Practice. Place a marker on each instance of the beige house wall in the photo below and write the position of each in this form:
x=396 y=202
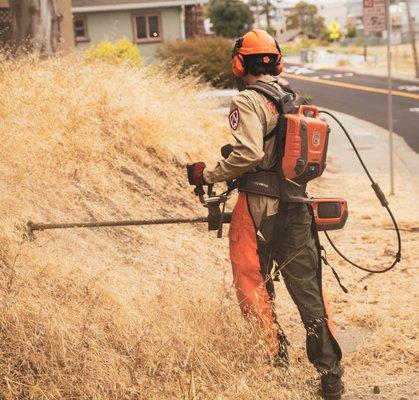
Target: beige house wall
x=115 y=25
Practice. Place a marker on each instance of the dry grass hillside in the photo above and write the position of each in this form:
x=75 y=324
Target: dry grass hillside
x=149 y=313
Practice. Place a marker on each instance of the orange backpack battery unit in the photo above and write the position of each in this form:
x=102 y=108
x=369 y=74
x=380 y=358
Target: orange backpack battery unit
x=305 y=145
x=302 y=137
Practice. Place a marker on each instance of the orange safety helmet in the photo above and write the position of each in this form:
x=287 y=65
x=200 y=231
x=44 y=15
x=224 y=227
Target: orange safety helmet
x=257 y=41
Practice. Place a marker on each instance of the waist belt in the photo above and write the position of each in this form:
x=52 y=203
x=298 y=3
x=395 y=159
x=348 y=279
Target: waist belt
x=271 y=184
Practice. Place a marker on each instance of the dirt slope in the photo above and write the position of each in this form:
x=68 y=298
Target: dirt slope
x=149 y=313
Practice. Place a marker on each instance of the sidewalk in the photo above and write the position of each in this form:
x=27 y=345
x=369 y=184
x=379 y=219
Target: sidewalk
x=373 y=144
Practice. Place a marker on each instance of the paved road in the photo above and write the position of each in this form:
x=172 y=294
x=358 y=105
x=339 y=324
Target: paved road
x=362 y=96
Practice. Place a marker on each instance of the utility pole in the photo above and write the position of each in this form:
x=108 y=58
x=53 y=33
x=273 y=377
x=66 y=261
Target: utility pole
x=390 y=97
x=413 y=37
x=257 y=13
x=268 y=19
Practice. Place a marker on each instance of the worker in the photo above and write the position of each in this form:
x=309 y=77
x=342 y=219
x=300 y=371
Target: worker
x=271 y=232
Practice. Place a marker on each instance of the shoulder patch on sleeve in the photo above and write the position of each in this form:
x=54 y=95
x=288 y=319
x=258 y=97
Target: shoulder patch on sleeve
x=234 y=119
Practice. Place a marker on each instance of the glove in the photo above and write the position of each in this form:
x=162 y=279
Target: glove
x=195 y=173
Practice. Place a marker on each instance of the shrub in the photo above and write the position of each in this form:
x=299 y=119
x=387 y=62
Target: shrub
x=343 y=63
x=209 y=57
x=122 y=52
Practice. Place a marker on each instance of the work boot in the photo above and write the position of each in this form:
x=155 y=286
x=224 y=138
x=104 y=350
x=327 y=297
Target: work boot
x=331 y=389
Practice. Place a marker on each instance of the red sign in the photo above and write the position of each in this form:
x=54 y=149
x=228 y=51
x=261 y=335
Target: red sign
x=374 y=16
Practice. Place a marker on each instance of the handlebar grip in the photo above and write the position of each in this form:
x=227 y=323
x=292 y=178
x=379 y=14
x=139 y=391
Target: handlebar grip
x=199 y=190
x=305 y=107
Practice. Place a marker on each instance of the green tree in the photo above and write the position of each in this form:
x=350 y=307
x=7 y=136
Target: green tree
x=351 y=31
x=230 y=18
x=305 y=17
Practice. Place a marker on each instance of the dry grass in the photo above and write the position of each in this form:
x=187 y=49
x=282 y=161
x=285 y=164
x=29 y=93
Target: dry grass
x=137 y=313
x=403 y=64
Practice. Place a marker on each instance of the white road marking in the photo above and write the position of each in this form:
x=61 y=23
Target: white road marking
x=349 y=74
x=299 y=70
x=409 y=88
x=338 y=76
x=415 y=110
x=291 y=69
x=326 y=76
x=303 y=71
x=315 y=77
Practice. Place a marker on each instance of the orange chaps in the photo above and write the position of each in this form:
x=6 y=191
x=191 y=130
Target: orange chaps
x=302 y=277
x=248 y=280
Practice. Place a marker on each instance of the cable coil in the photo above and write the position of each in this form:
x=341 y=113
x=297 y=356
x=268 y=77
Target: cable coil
x=381 y=197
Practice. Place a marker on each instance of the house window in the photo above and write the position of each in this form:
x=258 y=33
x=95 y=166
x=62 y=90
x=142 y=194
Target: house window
x=80 y=28
x=147 y=27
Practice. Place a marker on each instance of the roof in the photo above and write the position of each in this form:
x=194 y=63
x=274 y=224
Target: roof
x=291 y=34
x=114 y=5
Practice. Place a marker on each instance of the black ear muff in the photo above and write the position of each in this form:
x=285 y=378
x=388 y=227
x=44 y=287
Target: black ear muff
x=280 y=61
x=237 y=46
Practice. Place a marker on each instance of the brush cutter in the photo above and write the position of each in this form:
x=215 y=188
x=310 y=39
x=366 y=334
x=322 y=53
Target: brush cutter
x=329 y=214
x=212 y=202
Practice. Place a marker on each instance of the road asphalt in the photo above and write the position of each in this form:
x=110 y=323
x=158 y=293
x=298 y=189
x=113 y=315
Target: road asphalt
x=362 y=96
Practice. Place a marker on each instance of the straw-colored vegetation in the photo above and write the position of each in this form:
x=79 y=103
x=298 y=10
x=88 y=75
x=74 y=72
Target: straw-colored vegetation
x=148 y=313
x=402 y=62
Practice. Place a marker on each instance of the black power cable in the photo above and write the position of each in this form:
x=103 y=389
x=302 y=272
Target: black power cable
x=381 y=197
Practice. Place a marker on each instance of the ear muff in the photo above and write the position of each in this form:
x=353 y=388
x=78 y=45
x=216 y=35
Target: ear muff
x=280 y=61
x=237 y=62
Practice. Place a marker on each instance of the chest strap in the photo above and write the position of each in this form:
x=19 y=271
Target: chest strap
x=282 y=100
x=270 y=184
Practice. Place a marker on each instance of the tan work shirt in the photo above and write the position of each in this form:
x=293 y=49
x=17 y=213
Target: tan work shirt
x=252 y=117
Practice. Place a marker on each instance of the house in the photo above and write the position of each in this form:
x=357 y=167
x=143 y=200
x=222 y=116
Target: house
x=146 y=22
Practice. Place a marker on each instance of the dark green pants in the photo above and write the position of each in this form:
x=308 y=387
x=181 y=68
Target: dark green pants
x=287 y=243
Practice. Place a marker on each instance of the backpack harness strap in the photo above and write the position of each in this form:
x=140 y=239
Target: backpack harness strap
x=283 y=101
x=271 y=182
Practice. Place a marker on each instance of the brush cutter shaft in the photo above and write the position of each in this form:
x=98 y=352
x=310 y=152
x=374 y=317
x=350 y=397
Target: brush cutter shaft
x=101 y=224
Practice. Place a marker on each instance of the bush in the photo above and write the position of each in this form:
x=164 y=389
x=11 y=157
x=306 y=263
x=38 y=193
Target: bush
x=209 y=57
x=123 y=52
